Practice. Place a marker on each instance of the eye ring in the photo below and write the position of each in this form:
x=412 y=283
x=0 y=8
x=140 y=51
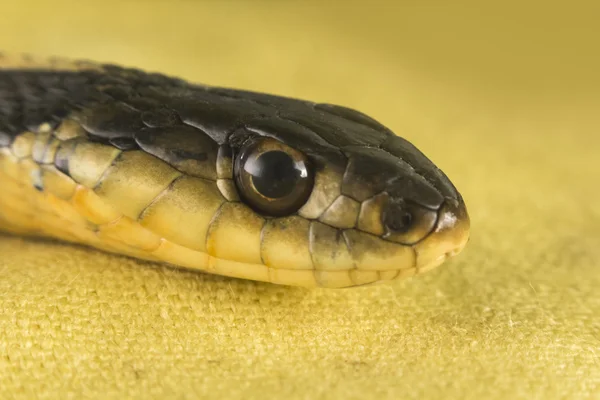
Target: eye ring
x=271 y=177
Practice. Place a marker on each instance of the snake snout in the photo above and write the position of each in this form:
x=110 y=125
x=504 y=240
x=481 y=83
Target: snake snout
x=449 y=236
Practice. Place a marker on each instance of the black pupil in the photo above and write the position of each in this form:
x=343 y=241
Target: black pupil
x=274 y=174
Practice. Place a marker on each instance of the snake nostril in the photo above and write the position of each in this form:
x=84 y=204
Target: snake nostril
x=397 y=218
x=406 y=222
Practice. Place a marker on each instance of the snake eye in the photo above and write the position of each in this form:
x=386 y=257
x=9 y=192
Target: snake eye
x=273 y=178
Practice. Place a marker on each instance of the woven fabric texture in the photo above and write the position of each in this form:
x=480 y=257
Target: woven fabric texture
x=502 y=101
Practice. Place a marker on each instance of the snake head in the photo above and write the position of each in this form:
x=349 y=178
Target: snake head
x=230 y=182
x=345 y=198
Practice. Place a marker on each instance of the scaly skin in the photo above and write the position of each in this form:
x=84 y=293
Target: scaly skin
x=142 y=165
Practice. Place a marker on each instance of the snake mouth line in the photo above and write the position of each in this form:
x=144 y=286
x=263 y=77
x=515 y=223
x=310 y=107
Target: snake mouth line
x=417 y=270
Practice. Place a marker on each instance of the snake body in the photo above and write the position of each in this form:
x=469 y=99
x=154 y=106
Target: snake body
x=225 y=181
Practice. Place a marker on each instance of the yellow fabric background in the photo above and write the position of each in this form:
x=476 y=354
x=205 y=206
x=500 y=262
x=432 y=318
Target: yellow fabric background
x=503 y=98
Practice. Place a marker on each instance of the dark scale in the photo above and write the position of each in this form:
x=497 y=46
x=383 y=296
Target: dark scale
x=61 y=159
x=124 y=143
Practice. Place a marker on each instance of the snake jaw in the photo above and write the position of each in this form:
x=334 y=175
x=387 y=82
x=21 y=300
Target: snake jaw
x=448 y=239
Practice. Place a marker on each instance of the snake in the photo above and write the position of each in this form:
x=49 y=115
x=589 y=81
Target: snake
x=225 y=181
